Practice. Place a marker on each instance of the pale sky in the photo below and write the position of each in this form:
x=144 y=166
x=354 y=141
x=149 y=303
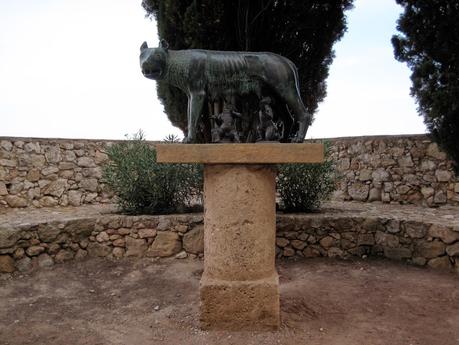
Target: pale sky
x=69 y=69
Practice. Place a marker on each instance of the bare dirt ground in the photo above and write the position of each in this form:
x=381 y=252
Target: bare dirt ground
x=99 y=302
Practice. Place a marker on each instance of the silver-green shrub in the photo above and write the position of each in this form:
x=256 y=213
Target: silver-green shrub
x=144 y=186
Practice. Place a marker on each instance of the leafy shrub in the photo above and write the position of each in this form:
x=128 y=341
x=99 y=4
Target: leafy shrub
x=302 y=187
x=144 y=186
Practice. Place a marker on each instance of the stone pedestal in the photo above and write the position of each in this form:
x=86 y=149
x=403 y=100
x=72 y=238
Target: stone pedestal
x=240 y=286
x=239 y=289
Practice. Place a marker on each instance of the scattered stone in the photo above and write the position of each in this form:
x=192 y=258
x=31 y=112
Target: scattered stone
x=193 y=241
x=19 y=253
x=119 y=242
x=89 y=184
x=56 y=188
x=375 y=194
x=335 y=252
x=75 y=198
x=64 y=255
x=299 y=245
x=311 y=252
x=6 y=264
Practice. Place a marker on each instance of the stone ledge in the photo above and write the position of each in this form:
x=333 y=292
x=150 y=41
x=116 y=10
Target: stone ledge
x=261 y=153
x=43 y=237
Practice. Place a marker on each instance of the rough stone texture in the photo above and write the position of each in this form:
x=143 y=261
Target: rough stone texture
x=165 y=244
x=193 y=241
x=135 y=247
x=404 y=169
x=52 y=172
x=341 y=230
x=6 y=264
x=240 y=287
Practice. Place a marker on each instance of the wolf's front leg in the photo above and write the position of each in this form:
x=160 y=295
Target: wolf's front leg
x=195 y=104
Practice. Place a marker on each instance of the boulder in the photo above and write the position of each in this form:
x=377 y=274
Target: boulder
x=135 y=247
x=6 y=264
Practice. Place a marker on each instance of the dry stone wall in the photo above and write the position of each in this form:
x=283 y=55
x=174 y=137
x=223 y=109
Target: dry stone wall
x=52 y=172
x=60 y=172
x=400 y=169
x=432 y=241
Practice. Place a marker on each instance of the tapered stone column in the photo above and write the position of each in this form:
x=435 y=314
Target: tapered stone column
x=239 y=288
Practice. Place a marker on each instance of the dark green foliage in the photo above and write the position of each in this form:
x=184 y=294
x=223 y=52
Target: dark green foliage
x=302 y=30
x=429 y=44
x=144 y=186
x=303 y=187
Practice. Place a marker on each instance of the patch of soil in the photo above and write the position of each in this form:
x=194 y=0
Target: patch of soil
x=143 y=301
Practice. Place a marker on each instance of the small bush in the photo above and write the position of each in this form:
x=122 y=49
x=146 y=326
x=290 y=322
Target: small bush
x=144 y=186
x=302 y=187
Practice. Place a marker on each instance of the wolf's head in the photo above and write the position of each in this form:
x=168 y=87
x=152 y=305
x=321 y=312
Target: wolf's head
x=153 y=61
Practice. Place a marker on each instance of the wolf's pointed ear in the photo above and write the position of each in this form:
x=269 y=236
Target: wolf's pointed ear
x=163 y=44
x=143 y=46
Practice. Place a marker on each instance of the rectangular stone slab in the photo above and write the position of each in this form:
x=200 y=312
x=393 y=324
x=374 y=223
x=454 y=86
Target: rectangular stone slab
x=260 y=153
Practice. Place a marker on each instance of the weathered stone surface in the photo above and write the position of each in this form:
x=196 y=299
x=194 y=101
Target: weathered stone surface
x=442 y=263
x=86 y=162
x=386 y=240
x=64 y=255
x=165 y=244
x=193 y=241
x=3 y=190
x=44 y=260
x=102 y=237
x=81 y=254
x=48 y=201
x=282 y=242
x=34 y=250
x=431 y=250
x=55 y=188
x=48 y=232
x=118 y=252
x=327 y=242
x=6 y=264
x=24 y=264
x=89 y=184
x=97 y=249
x=397 y=253
x=415 y=229
x=16 y=201
x=147 y=233
x=453 y=250
x=444 y=233
x=288 y=252
x=8 y=237
x=359 y=191
x=75 y=197
x=366 y=240
x=135 y=247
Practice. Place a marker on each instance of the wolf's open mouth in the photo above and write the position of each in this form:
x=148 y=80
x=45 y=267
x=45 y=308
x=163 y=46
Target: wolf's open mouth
x=151 y=72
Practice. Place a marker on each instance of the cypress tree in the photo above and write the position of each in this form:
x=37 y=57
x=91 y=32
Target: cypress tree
x=429 y=43
x=302 y=30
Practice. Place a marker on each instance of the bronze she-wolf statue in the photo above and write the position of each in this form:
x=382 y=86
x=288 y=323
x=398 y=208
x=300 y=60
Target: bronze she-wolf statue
x=227 y=77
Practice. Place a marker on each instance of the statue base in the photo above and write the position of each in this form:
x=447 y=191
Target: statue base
x=239 y=289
